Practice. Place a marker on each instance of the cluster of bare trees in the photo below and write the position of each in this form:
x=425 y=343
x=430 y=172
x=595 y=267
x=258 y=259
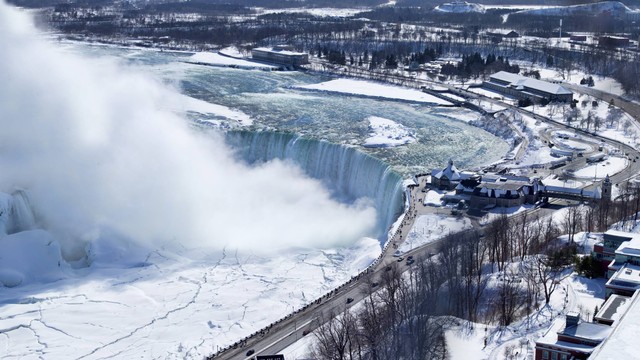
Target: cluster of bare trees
x=406 y=314
x=399 y=321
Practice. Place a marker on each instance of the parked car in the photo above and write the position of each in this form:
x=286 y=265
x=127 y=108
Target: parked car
x=400 y=258
x=349 y=300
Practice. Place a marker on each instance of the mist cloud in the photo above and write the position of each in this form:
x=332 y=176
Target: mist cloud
x=91 y=143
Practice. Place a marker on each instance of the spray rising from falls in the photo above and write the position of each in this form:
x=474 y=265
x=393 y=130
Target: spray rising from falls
x=350 y=173
x=107 y=165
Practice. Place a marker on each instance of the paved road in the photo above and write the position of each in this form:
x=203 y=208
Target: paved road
x=629 y=107
x=285 y=332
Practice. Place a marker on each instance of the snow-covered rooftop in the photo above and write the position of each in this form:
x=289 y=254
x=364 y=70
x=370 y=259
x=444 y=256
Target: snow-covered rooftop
x=622 y=343
x=520 y=82
x=583 y=330
x=629 y=274
x=622 y=234
x=629 y=248
x=589 y=331
x=450 y=172
x=510 y=185
x=613 y=308
x=280 y=51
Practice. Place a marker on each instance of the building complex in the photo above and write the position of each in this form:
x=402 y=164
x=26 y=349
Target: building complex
x=485 y=190
x=612 y=334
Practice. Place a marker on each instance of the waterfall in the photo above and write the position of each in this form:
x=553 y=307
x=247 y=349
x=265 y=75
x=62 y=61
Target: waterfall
x=21 y=216
x=348 y=172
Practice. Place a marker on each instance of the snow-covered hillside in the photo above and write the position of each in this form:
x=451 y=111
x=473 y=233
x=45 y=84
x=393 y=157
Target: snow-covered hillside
x=460 y=7
x=615 y=8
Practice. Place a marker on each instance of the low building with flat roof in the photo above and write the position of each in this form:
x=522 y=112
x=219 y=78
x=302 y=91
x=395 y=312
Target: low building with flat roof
x=281 y=55
x=624 y=270
x=522 y=87
x=612 y=310
x=570 y=338
x=605 y=251
x=622 y=343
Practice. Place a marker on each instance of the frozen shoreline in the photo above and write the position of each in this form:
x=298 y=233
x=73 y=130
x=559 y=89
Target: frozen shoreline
x=374 y=90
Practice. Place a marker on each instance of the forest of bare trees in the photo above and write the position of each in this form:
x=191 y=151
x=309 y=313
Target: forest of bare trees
x=407 y=314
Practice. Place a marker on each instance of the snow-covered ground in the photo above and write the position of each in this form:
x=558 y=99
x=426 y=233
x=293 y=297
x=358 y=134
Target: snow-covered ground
x=434 y=198
x=322 y=12
x=460 y=7
x=609 y=166
x=496 y=212
x=612 y=7
x=517 y=341
x=374 y=90
x=231 y=51
x=603 y=83
x=168 y=304
x=188 y=104
x=387 y=133
x=428 y=228
x=215 y=59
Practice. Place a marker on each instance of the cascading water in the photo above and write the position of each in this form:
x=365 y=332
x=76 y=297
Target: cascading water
x=22 y=217
x=350 y=173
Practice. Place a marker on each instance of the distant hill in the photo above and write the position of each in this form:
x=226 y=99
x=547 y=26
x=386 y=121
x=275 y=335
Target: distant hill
x=434 y=3
x=615 y=8
x=460 y=7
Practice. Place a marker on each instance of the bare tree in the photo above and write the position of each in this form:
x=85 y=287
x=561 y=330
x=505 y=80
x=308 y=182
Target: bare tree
x=572 y=222
x=335 y=338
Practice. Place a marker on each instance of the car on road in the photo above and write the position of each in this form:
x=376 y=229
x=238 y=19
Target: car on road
x=250 y=352
x=374 y=284
x=349 y=300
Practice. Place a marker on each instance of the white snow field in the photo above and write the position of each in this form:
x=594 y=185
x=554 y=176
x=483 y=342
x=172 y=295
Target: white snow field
x=185 y=103
x=374 y=90
x=611 y=165
x=216 y=59
x=428 y=228
x=168 y=305
x=387 y=133
x=125 y=233
x=460 y=7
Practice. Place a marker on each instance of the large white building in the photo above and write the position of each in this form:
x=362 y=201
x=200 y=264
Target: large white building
x=523 y=87
x=281 y=55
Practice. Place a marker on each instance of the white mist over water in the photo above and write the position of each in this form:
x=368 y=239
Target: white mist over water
x=90 y=142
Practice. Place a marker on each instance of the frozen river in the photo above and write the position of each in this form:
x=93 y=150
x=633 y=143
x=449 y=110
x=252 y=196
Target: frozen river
x=271 y=101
